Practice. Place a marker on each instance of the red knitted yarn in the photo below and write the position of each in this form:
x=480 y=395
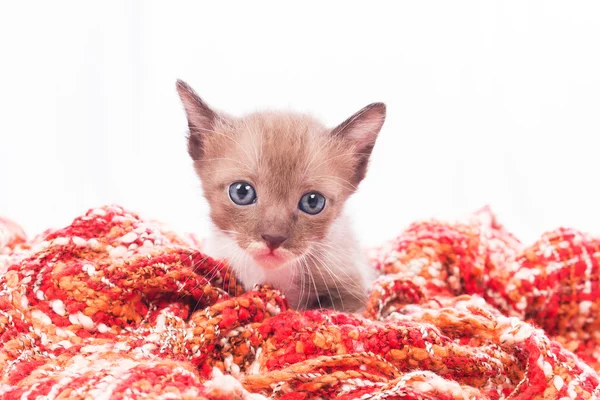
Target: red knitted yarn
x=117 y=307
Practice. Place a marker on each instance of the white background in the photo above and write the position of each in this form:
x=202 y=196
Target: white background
x=488 y=103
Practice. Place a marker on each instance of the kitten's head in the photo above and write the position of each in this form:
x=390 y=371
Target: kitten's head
x=276 y=181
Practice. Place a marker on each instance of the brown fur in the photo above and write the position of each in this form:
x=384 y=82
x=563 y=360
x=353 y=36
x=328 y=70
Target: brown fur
x=283 y=155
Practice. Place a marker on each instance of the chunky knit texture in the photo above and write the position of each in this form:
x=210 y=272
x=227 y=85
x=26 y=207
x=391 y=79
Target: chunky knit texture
x=114 y=306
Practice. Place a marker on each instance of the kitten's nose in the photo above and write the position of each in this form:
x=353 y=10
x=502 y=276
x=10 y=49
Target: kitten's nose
x=273 y=242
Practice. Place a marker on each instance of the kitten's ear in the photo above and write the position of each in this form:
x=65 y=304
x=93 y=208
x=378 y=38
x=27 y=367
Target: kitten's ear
x=200 y=116
x=361 y=131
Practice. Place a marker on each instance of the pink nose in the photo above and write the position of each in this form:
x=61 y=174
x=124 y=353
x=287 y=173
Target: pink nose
x=273 y=242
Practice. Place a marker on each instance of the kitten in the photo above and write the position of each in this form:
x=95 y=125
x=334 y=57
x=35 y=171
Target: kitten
x=276 y=183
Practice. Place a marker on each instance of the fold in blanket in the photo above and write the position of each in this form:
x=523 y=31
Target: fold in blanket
x=115 y=306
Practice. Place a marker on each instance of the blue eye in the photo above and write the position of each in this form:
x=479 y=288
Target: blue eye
x=312 y=203
x=242 y=193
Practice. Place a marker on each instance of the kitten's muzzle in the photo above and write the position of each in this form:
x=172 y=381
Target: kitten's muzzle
x=273 y=242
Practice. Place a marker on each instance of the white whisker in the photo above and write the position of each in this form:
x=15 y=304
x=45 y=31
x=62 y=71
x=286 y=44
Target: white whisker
x=349 y=282
x=334 y=278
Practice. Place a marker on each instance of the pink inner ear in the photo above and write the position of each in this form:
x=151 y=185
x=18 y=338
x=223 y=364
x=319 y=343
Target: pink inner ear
x=364 y=126
x=361 y=131
x=199 y=119
x=199 y=114
x=365 y=132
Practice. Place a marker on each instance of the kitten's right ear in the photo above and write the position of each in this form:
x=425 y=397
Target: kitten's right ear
x=200 y=116
x=361 y=131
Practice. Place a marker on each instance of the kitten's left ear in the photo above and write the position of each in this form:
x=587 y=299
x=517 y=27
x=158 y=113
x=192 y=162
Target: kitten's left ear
x=361 y=131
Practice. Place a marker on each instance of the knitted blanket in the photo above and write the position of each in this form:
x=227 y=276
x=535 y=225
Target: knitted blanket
x=115 y=306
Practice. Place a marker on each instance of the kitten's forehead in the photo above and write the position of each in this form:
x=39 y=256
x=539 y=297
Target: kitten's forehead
x=284 y=127
x=284 y=152
x=292 y=147
x=282 y=139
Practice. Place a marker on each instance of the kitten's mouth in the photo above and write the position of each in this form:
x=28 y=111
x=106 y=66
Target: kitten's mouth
x=270 y=259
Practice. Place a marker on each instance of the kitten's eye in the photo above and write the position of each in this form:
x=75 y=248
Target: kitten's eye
x=242 y=193
x=312 y=203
